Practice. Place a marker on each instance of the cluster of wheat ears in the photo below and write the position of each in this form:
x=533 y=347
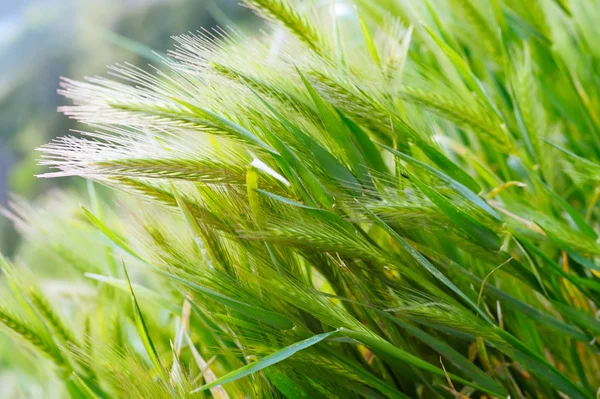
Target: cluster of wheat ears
x=384 y=199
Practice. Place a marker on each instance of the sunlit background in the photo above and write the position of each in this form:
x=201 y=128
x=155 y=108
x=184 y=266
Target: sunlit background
x=42 y=40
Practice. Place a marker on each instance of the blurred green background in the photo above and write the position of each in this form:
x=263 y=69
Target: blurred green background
x=42 y=40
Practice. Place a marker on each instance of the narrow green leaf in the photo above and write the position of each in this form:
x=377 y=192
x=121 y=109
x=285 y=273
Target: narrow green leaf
x=286 y=385
x=226 y=124
x=458 y=187
x=461 y=362
x=541 y=367
x=132 y=46
x=85 y=387
x=389 y=351
x=273 y=319
x=369 y=42
x=328 y=161
x=464 y=69
x=336 y=127
x=420 y=259
x=267 y=361
x=111 y=235
x=571 y=154
x=442 y=161
x=584 y=320
x=577 y=217
x=307 y=179
x=568 y=248
x=385 y=387
x=190 y=220
x=284 y=200
x=322 y=213
x=370 y=153
x=481 y=234
x=143 y=332
x=142 y=292
x=524 y=309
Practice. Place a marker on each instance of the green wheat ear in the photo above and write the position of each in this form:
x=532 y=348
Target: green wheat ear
x=20 y=328
x=397 y=199
x=49 y=314
x=286 y=13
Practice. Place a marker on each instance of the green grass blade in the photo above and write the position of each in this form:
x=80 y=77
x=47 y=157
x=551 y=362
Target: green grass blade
x=389 y=351
x=461 y=362
x=227 y=125
x=273 y=319
x=447 y=165
x=480 y=233
x=336 y=128
x=111 y=235
x=144 y=334
x=369 y=41
x=267 y=361
x=542 y=368
x=458 y=187
x=286 y=385
x=421 y=260
x=305 y=177
x=370 y=153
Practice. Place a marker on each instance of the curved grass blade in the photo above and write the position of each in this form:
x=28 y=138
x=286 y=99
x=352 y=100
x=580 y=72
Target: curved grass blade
x=458 y=187
x=462 y=67
x=285 y=200
x=420 y=259
x=461 y=362
x=540 y=367
x=142 y=292
x=143 y=332
x=366 y=376
x=369 y=41
x=481 y=234
x=267 y=361
x=330 y=163
x=389 y=351
x=111 y=235
x=565 y=246
x=370 y=153
x=578 y=219
x=337 y=129
x=286 y=385
x=131 y=45
x=84 y=387
x=226 y=124
x=525 y=309
x=444 y=163
x=580 y=318
x=273 y=319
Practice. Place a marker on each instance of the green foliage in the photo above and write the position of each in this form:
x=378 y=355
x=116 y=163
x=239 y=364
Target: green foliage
x=397 y=204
